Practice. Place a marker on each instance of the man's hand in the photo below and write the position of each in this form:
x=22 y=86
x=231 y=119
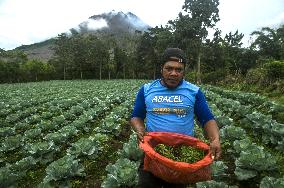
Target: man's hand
x=215 y=148
x=212 y=133
x=139 y=127
x=140 y=135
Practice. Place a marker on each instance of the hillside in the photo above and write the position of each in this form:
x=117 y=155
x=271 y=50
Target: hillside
x=42 y=50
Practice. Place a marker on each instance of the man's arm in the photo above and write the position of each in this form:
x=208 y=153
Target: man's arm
x=212 y=133
x=206 y=118
x=139 y=114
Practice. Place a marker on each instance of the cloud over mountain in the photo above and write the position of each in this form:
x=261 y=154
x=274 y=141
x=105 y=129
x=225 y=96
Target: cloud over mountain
x=114 y=22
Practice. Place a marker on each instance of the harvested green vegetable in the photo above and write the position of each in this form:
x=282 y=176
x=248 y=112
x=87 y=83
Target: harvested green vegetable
x=181 y=153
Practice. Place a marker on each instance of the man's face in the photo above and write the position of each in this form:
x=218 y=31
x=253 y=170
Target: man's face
x=172 y=73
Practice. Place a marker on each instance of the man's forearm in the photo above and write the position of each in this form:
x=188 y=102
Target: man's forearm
x=212 y=130
x=138 y=126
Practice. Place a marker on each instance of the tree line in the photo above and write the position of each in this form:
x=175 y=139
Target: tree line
x=83 y=55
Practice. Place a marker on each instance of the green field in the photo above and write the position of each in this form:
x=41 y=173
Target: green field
x=77 y=134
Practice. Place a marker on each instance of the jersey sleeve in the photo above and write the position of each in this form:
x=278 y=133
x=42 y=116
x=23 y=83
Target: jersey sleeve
x=139 y=109
x=201 y=109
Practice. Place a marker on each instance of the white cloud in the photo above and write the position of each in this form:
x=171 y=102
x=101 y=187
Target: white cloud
x=274 y=22
x=96 y=24
x=30 y=21
x=247 y=16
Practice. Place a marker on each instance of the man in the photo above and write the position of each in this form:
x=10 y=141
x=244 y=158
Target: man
x=169 y=105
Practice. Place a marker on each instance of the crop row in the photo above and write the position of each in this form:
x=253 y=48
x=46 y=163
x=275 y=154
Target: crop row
x=59 y=140
x=262 y=126
x=258 y=102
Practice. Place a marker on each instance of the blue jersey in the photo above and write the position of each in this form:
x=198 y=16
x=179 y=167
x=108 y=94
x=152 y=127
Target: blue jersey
x=171 y=110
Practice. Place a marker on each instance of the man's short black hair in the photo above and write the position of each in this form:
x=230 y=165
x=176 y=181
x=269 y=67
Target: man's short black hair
x=173 y=54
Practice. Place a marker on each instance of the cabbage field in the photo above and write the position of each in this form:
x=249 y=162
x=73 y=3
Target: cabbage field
x=77 y=134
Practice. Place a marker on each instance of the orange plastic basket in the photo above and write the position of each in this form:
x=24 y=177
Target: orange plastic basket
x=173 y=171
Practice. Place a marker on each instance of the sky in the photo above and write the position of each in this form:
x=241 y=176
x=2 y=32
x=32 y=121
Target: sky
x=24 y=22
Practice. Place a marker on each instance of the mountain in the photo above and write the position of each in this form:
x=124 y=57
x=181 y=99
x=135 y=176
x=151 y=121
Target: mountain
x=115 y=23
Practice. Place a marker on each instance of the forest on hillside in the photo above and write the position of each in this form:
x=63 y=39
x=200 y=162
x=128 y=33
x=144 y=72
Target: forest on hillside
x=216 y=60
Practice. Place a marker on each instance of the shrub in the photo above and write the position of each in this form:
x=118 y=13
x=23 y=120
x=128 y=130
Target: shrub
x=190 y=76
x=274 y=70
x=255 y=76
x=213 y=77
